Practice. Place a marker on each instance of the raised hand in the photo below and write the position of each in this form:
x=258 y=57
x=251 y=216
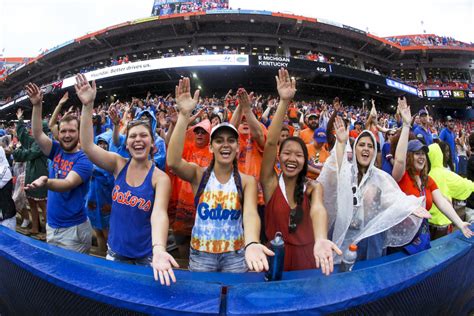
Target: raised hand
x=342 y=133
x=85 y=92
x=323 y=255
x=38 y=183
x=19 y=113
x=34 y=93
x=256 y=257
x=184 y=101
x=404 y=110
x=286 y=86
x=113 y=114
x=245 y=99
x=162 y=267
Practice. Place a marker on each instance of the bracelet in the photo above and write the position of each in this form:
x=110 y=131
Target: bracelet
x=158 y=245
x=250 y=243
x=406 y=125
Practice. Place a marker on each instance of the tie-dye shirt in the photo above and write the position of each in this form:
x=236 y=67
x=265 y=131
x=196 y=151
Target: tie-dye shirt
x=218 y=225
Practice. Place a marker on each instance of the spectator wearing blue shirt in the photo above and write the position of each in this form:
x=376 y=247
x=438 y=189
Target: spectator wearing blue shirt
x=67 y=224
x=448 y=136
x=422 y=131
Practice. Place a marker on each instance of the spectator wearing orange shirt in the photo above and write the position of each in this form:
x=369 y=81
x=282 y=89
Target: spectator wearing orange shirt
x=357 y=130
x=293 y=113
x=317 y=153
x=313 y=123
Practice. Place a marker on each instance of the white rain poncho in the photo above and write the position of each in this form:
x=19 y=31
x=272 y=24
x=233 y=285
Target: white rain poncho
x=380 y=205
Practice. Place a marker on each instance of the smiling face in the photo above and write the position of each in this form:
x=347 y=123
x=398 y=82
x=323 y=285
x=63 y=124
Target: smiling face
x=284 y=134
x=313 y=122
x=139 y=141
x=364 y=151
x=69 y=135
x=224 y=146
x=419 y=160
x=293 y=158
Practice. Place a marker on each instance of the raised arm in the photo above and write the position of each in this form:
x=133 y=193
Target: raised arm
x=237 y=116
x=342 y=135
x=399 y=165
x=245 y=101
x=115 y=118
x=52 y=124
x=185 y=103
x=102 y=158
x=36 y=97
x=286 y=89
x=323 y=248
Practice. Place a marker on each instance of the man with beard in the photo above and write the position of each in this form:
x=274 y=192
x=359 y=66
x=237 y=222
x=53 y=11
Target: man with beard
x=313 y=123
x=67 y=224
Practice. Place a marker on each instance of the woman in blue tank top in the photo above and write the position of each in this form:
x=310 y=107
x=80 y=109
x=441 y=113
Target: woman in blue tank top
x=141 y=191
x=225 y=199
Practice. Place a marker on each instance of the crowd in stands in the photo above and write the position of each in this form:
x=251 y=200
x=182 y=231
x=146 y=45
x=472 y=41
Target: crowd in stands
x=427 y=40
x=177 y=7
x=222 y=176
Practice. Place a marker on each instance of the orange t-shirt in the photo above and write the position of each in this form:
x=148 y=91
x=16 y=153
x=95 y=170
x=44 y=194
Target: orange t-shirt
x=408 y=186
x=316 y=159
x=250 y=158
x=307 y=135
x=354 y=134
x=292 y=112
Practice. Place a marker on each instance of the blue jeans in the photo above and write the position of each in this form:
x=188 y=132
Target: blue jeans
x=113 y=256
x=234 y=261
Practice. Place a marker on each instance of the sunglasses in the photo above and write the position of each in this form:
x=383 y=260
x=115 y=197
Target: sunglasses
x=292 y=225
x=355 y=199
x=199 y=131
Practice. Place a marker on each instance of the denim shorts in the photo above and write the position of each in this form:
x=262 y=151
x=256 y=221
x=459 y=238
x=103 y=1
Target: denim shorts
x=113 y=256
x=77 y=238
x=234 y=261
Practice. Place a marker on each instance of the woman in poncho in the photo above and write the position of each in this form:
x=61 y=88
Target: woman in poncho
x=364 y=201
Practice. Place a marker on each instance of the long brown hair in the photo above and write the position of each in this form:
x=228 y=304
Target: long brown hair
x=412 y=172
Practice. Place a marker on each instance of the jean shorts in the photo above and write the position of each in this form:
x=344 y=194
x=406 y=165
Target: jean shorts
x=233 y=261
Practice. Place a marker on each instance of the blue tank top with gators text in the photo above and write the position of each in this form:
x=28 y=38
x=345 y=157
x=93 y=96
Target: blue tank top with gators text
x=130 y=226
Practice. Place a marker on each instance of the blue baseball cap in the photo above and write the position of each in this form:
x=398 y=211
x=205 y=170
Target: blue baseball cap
x=416 y=145
x=320 y=135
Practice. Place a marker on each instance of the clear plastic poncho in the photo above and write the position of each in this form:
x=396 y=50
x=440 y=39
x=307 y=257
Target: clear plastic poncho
x=375 y=205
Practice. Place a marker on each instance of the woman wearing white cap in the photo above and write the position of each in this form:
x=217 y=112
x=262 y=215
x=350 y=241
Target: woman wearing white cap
x=225 y=199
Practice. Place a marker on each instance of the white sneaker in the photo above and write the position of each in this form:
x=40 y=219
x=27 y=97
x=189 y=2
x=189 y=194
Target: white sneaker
x=25 y=223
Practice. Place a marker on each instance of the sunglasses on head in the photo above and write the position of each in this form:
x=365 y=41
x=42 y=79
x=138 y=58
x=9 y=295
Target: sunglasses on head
x=137 y=122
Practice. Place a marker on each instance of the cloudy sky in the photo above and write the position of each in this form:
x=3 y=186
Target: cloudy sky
x=28 y=26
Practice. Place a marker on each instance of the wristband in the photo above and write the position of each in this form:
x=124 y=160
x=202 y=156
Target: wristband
x=250 y=243
x=158 y=245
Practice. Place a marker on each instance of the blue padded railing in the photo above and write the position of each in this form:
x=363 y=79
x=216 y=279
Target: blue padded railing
x=39 y=278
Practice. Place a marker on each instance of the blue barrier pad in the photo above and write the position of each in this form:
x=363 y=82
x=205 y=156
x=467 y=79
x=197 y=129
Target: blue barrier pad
x=122 y=285
x=341 y=291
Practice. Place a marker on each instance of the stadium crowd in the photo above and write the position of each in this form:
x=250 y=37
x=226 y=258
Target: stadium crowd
x=135 y=172
x=427 y=40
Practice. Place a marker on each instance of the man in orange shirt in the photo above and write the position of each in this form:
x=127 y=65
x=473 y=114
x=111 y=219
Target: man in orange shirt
x=317 y=153
x=313 y=123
